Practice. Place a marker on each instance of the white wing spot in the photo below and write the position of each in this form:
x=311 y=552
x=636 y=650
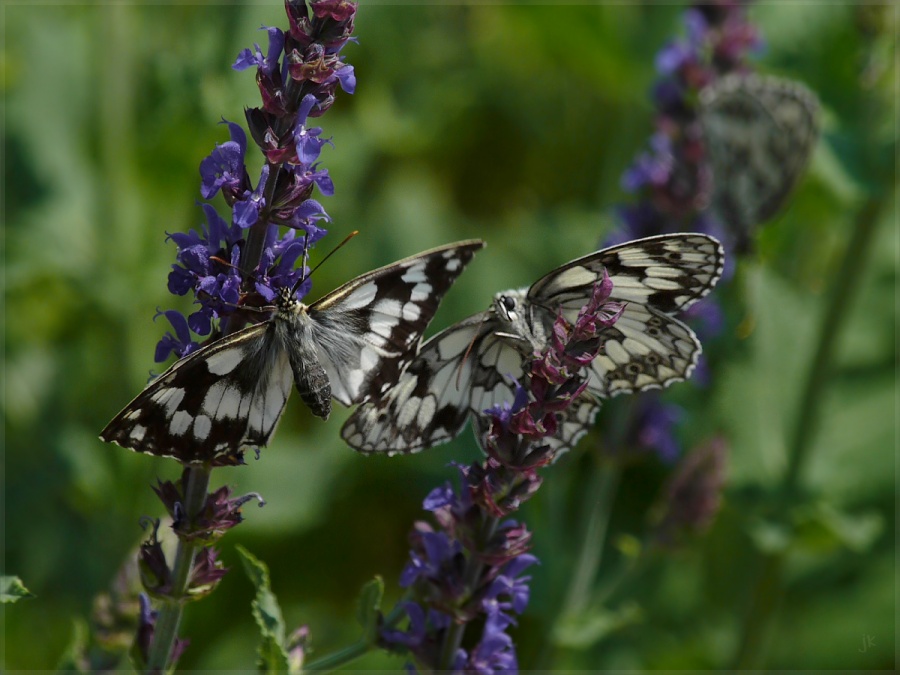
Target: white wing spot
x=661 y=284
x=213 y=398
x=426 y=411
x=408 y=412
x=202 y=427
x=180 y=423
x=616 y=352
x=137 y=432
x=169 y=398
x=225 y=361
x=663 y=271
x=415 y=274
x=361 y=297
x=230 y=405
x=411 y=311
x=420 y=292
x=635 y=347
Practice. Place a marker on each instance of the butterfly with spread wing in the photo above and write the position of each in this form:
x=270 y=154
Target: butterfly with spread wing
x=350 y=344
x=759 y=132
x=468 y=368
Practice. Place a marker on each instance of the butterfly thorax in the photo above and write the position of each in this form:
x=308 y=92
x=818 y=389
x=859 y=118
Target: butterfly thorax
x=294 y=332
x=517 y=319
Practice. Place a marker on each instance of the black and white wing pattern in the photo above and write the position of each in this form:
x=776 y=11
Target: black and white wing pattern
x=465 y=369
x=351 y=344
x=759 y=132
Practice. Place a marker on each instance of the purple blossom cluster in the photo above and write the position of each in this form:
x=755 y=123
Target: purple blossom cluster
x=239 y=263
x=244 y=260
x=469 y=569
x=220 y=512
x=672 y=177
x=673 y=183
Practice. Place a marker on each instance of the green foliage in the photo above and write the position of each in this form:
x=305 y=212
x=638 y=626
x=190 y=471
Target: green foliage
x=12 y=590
x=368 y=612
x=272 y=653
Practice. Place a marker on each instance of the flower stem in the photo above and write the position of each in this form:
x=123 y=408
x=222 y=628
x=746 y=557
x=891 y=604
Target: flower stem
x=474 y=567
x=339 y=658
x=166 y=629
x=598 y=505
x=767 y=592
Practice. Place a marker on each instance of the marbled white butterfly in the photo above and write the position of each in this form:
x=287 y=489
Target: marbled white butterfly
x=759 y=133
x=466 y=369
x=349 y=345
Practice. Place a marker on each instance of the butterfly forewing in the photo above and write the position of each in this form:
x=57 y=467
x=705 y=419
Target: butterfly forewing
x=387 y=310
x=228 y=394
x=350 y=344
x=759 y=132
x=471 y=366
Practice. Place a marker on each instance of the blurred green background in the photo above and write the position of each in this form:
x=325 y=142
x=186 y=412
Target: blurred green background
x=512 y=123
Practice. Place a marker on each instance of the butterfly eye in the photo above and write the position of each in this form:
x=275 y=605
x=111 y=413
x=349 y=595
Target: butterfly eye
x=508 y=304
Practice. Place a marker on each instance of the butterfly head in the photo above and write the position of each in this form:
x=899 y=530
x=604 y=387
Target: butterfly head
x=512 y=311
x=286 y=302
x=508 y=305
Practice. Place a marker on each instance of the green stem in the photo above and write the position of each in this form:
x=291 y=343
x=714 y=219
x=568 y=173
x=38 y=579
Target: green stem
x=845 y=286
x=767 y=592
x=600 y=496
x=166 y=629
x=339 y=658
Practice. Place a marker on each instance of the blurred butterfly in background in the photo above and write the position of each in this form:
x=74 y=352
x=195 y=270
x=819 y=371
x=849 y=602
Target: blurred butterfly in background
x=759 y=133
x=350 y=344
x=466 y=369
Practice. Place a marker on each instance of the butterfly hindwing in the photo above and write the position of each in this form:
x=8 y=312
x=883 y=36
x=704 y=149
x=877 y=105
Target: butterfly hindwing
x=430 y=402
x=473 y=365
x=383 y=314
x=350 y=344
x=228 y=394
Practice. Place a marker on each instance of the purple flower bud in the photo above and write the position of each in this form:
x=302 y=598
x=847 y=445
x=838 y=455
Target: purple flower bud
x=206 y=573
x=694 y=493
x=224 y=168
x=267 y=64
x=179 y=344
x=298 y=647
x=156 y=577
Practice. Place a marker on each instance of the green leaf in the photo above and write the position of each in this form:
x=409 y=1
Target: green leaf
x=73 y=658
x=823 y=527
x=770 y=536
x=585 y=629
x=272 y=654
x=12 y=590
x=368 y=612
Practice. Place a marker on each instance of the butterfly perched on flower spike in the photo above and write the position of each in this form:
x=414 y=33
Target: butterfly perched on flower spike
x=468 y=368
x=759 y=133
x=350 y=344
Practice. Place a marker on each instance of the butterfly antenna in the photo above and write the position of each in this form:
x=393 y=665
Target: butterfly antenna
x=465 y=357
x=332 y=252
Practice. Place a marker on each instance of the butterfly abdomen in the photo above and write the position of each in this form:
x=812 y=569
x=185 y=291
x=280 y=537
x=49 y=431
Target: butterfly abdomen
x=295 y=333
